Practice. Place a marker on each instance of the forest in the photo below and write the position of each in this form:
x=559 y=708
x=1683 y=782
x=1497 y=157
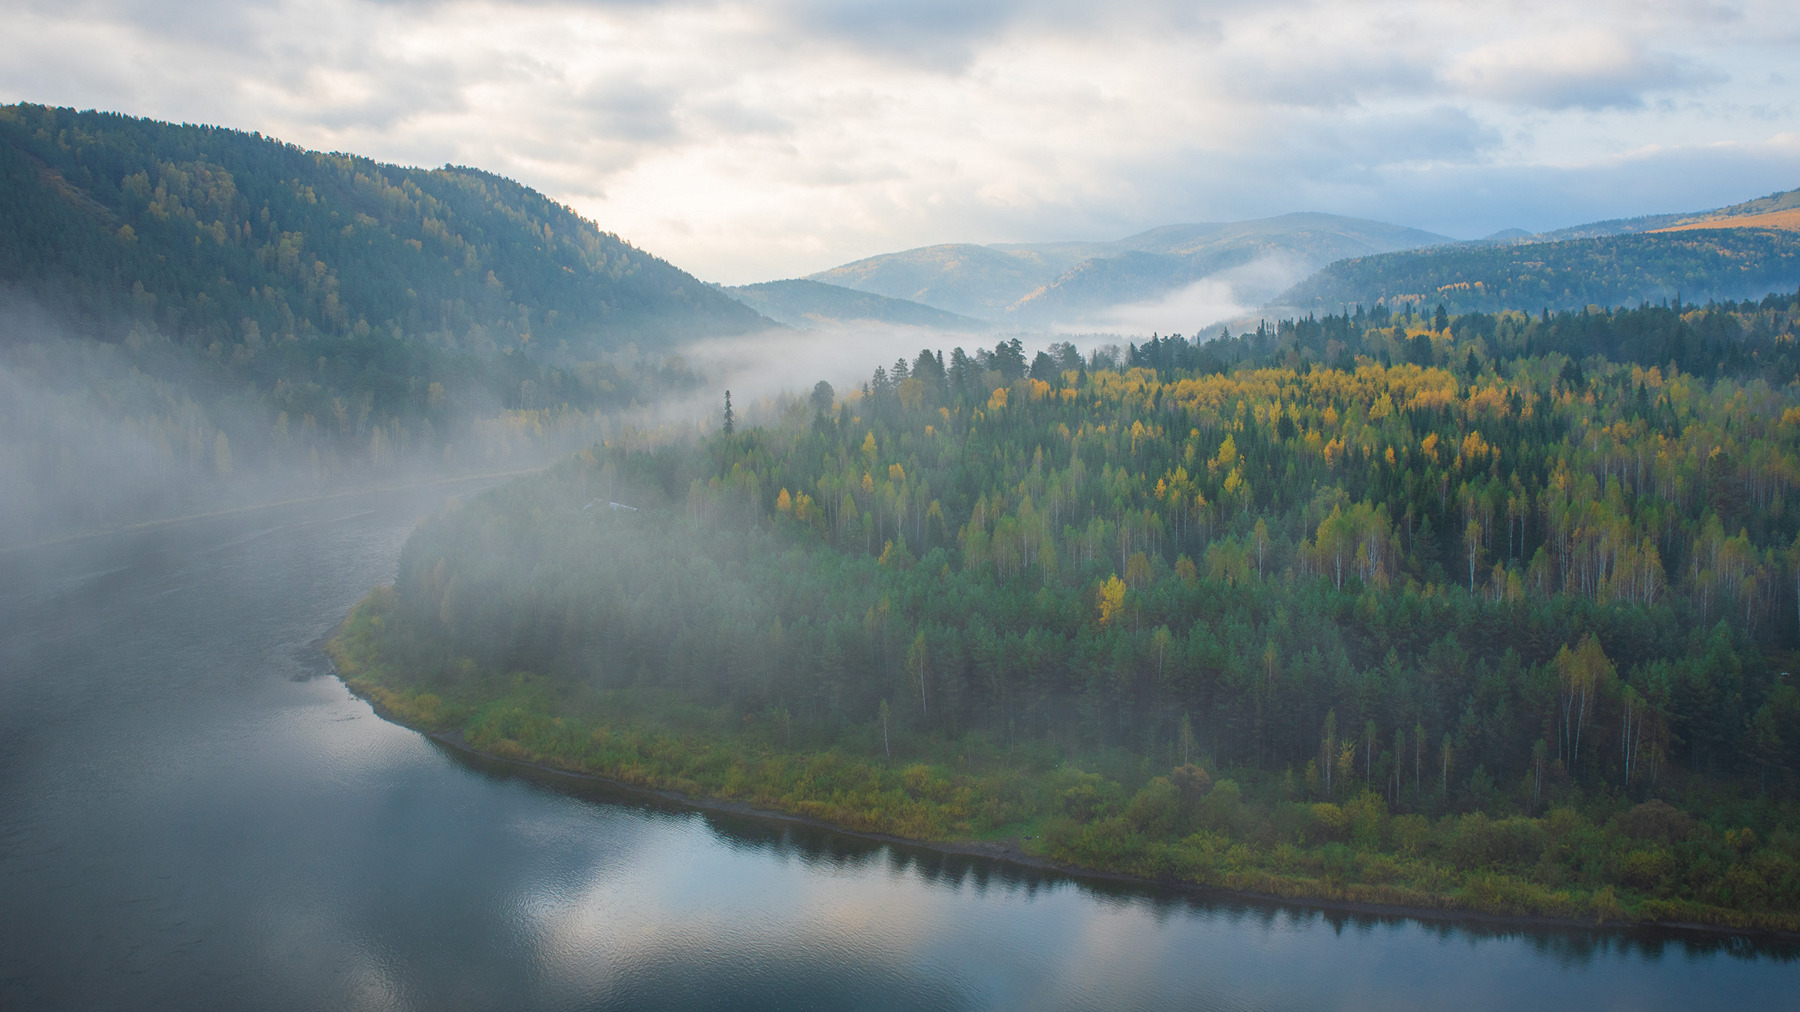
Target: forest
x=1698 y=266
x=1482 y=611
x=241 y=241
x=184 y=303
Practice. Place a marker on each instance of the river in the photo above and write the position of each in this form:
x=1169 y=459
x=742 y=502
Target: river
x=195 y=814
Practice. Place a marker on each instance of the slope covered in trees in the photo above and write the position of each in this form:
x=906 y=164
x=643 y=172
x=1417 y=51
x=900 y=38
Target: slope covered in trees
x=1694 y=266
x=1390 y=608
x=221 y=236
x=180 y=304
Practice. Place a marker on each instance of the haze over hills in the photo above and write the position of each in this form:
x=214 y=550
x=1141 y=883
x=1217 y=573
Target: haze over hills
x=1045 y=284
x=1311 y=263
x=804 y=303
x=186 y=304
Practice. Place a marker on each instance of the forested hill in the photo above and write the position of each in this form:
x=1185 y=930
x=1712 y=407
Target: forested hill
x=1039 y=283
x=223 y=238
x=189 y=313
x=1464 y=620
x=1732 y=216
x=1694 y=266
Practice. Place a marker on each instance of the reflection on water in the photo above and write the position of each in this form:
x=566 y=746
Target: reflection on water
x=191 y=817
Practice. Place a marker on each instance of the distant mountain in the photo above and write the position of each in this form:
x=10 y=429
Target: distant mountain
x=807 y=304
x=219 y=236
x=1039 y=283
x=1734 y=216
x=978 y=281
x=1696 y=266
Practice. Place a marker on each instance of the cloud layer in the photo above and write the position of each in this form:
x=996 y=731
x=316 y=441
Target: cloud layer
x=748 y=141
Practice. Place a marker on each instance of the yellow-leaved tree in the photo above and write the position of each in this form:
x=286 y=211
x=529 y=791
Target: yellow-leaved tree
x=1111 y=598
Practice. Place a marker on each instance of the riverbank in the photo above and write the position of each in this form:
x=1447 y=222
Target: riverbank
x=1352 y=858
x=1010 y=852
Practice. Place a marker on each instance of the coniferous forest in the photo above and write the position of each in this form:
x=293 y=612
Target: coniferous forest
x=1484 y=611
x=189 y=307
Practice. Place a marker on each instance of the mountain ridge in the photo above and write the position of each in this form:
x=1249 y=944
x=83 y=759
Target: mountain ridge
x=1036 y=283
x=1741 y=251
x=803 y=303
x=203 y=231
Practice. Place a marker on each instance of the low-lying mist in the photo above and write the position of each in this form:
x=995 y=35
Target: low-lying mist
x=1229 y=297
x=96 y=434
x=768 y=371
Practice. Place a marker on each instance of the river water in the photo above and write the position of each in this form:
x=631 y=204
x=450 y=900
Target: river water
x=195 y=814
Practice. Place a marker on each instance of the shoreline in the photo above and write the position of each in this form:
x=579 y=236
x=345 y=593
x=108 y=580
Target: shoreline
x=1007 y=852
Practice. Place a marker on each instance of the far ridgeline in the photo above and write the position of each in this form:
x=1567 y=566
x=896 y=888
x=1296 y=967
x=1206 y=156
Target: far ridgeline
x=1491 y=613
x=1699 y=265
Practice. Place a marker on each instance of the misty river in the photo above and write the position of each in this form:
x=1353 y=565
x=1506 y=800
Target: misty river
x=195 y=814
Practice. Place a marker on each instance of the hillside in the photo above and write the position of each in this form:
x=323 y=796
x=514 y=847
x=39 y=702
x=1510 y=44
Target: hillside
x=1788 y=220
x=215 y=235
x=1359 y=608
x=806 y=304
x=1614 y=270
x=1733 y=216
x=1043 y=283
x=978 y=281
x=191 y=315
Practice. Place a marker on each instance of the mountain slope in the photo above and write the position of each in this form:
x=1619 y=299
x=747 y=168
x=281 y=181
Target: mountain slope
x=979 y=281
x=803 y=303
x=1151 y=264
x=1695 y=266
x=1733 y=216
x=192 y=316
x=218 y=236
x=1041 y=283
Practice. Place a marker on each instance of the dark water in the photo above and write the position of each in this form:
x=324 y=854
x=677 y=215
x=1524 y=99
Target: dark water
x=194 y=814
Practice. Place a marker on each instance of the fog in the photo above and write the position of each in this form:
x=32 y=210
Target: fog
x=95 y=435
x=767 y=370
x=1227 y=297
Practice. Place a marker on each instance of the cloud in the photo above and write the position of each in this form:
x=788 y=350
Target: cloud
x=751 y=140
x=939 y=33
x=1589 y=70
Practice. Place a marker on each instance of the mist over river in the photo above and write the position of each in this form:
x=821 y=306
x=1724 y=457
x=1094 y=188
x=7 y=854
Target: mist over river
x=195 y=814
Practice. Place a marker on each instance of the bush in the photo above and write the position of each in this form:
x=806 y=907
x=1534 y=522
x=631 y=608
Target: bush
x=1220 y=807
x=1410 y=833
x=1655 y=821
x=1156 y=809
x=1329 y=821
x=1193 y=782
x=1366 y=813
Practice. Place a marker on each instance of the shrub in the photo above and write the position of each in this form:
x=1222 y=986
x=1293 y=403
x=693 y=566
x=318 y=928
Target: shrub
x=1329 y=821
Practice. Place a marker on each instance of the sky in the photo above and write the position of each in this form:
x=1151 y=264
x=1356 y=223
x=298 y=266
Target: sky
x=753 y=141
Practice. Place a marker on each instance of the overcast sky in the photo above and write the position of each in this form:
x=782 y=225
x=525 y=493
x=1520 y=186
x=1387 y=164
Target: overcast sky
x=750 y=141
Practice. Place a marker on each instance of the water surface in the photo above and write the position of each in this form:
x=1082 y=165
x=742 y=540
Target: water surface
x=194 y=814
